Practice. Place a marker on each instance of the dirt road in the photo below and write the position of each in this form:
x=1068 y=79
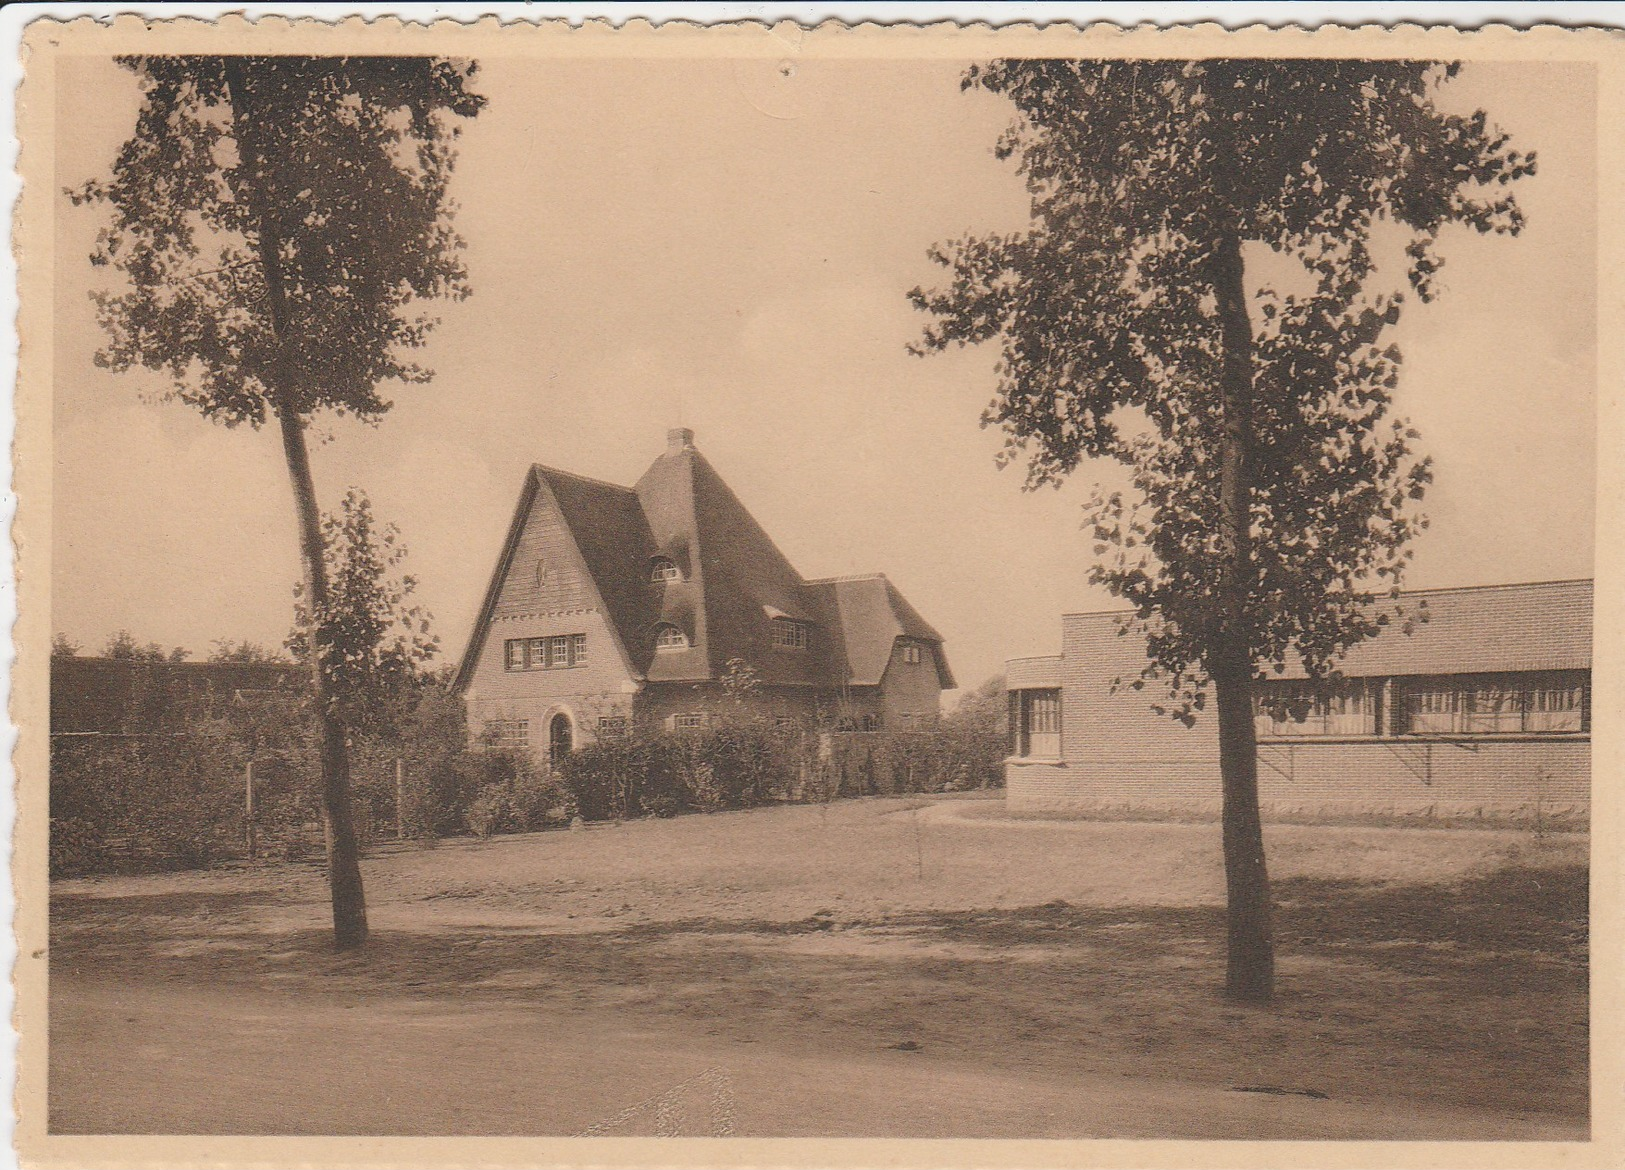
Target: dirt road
x=748 y=974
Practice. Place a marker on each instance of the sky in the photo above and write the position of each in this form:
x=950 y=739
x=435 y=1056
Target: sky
x=728 y=246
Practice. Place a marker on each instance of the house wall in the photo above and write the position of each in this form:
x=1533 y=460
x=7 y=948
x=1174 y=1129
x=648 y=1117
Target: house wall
x=658 y=701
x=910 y=688
x=1117 y=753
x=546 y=592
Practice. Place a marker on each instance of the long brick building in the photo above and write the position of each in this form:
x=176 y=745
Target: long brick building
x=1484 y=709
x=611 y=606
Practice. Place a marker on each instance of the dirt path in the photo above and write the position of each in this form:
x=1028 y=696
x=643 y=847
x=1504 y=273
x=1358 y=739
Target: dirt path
x=174 y=1060
x=869 y=969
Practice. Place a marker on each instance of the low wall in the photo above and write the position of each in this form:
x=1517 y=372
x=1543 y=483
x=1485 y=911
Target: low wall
x=1512 y=780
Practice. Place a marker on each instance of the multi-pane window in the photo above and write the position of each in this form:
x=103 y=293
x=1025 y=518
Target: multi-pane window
x=1038 y=724
x=792 y=635
x=668 y=637
x=1344 y=707
x=508 y=733
x=911 y=654
x=664 y=569
x=688 y=721
x=871 y=722
x=611 y=726
x=1505 y=704
x=554 y=652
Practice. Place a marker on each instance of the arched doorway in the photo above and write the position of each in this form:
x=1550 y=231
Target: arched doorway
x=560 y=738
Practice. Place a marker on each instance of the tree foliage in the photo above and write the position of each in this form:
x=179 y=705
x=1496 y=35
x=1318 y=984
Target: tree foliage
x=352 y=158
x=371 y=640
x=1113 y=341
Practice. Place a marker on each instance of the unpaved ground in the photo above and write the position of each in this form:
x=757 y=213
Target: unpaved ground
x=876 y=968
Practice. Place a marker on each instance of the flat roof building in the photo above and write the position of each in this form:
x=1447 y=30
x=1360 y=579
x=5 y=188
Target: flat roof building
x=1483 y=710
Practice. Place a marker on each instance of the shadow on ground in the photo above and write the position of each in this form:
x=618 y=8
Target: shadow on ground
x=1472 y=993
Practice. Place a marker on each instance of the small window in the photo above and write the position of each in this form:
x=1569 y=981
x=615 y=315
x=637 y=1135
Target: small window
x=544 y=574
x=846 y=723
x=611 y=726
x=669 y=637
x=789 y=634
x=508 y=733
x=871 y=723
x=911 y=654
x=664 y=569
x=578 y=649
x=688 y=721
x=1039 y=724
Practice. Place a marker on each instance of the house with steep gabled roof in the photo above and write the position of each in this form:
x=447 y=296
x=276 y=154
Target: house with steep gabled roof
x=612 y=607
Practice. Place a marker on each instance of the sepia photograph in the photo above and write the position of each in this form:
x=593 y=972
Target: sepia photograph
x=597 y=586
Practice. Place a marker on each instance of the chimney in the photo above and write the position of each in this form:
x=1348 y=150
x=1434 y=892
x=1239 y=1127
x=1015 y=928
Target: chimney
x=679 y=439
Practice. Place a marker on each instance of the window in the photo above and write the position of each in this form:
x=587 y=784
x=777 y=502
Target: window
x=911 y=654
x=508 y=733
x=688 y=721
x=871 y=723
x=790 y=634
x=669 y=637
x=664 y=569
x=1038 y=722
x=611 y=726
x=1283 y=709
x=554 y=652
x=1495 y=704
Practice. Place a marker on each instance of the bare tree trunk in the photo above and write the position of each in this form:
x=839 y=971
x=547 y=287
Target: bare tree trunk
x=1250 y=967
x=338 y=827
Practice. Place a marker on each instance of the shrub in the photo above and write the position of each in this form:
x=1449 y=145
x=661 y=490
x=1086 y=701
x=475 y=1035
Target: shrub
x=76 y=847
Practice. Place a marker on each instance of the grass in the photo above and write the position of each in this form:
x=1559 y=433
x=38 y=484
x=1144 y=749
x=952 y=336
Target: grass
x=1443 y=968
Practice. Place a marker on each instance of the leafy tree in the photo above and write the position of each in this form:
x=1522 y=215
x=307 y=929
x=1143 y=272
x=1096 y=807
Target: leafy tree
x=246 y=652
x=1274 y=493
x=124 y=647
x=371 y=640
x=64 y=647
x=275 y=219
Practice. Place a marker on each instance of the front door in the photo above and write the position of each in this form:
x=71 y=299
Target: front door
x=558 y=738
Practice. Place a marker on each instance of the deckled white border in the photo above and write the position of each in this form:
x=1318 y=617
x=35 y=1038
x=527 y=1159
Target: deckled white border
x=15 y=18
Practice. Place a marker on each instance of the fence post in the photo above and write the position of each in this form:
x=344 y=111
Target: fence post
x=248 y=808
x=400 y=799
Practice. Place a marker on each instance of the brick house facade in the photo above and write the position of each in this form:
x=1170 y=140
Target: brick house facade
x=612 y=607
x=1483 y=710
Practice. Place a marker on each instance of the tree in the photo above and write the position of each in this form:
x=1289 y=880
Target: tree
x=63 y=646
x=370 y=641
x=276 y=218
x=1274 y=496
x=245 y=652
x=124 y=647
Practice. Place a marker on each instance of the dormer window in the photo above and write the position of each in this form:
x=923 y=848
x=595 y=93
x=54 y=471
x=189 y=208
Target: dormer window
x=669 y=637
x=662 y=569
x=911 y=653
x=789 y=634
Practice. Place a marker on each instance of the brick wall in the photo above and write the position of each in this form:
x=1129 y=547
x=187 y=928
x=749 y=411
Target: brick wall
x=1117 y=752
x=546 y=592
x=910 y=688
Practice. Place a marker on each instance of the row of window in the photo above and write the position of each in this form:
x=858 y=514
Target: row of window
x=1550 y=702
x=555 y=652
